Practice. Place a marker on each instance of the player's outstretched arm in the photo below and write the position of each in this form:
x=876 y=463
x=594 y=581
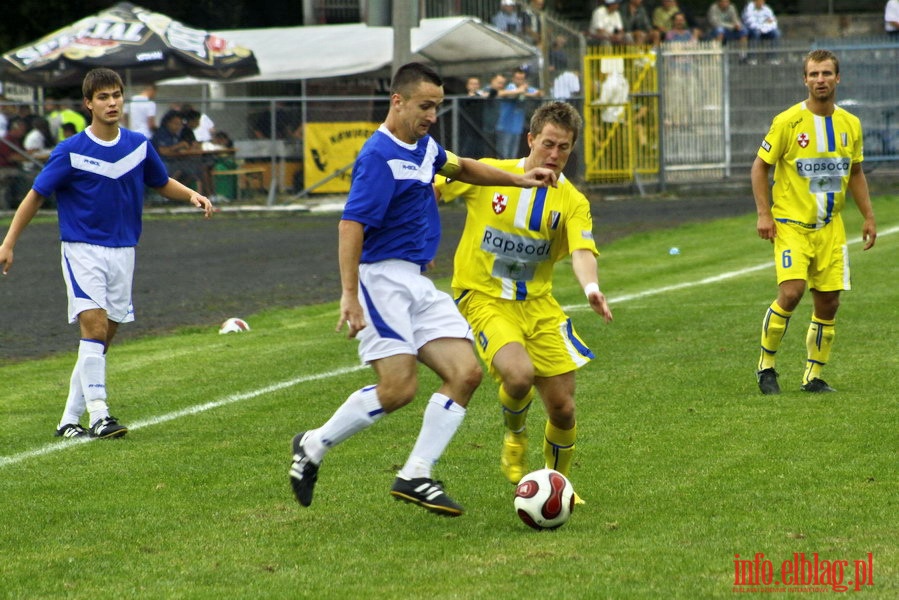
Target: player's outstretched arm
x=478 y=173
x=26 y=211
x=175 y=190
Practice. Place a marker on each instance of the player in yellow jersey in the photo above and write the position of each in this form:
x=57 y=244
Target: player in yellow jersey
x=816 y=149
x=502 y=283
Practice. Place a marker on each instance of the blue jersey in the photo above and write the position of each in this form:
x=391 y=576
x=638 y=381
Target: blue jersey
x=99 y=186
x=392 y=196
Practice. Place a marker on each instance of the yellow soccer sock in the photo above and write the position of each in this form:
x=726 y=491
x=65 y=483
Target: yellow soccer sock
x=515 y=412
x=558 y=447
x=818 y=342
x=773 y=329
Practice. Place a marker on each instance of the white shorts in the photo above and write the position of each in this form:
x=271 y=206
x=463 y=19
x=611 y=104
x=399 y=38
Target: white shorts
x=98 y=277
x=403 y=311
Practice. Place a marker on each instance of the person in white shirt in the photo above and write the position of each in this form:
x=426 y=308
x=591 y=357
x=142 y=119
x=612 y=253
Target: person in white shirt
x=760 y=21
x=142 y=112
x=891 y=18
x=606 y=26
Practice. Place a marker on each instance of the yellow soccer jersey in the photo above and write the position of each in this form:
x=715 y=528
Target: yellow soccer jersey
x=812 y=157
x=514 y=236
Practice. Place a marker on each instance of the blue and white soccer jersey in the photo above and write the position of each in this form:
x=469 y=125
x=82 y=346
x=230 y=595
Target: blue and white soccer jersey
x=393 y=198
x=99 y=186
x=99 y=189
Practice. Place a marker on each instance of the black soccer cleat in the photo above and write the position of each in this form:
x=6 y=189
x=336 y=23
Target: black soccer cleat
x=108 y=429
x=768 y=381
x=303 y=472
x=71 y=430
x=426 y=493
x=817 y=386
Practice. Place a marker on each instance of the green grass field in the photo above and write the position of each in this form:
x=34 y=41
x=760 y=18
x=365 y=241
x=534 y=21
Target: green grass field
x=683 y=464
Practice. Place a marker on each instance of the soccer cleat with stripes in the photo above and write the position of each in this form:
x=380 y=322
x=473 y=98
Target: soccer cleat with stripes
x=71 y=430
x=426 y=493
x=303 y=472
x=513 y=457
x=108 y=429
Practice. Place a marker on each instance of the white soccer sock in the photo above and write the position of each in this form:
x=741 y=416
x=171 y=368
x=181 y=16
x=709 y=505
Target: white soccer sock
x=91 y=366
x=442 y=418
x=358 y=412
x=75 y=404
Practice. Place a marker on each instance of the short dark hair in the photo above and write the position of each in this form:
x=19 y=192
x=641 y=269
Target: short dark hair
x=412 y=74
x=821 y=55
x=100 y=79
x=560 y=114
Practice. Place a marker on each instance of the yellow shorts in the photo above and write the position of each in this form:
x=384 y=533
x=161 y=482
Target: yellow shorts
x=538 y=324
x=818 y=256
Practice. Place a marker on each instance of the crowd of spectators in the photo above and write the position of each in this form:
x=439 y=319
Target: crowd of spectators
x=26 y=138
x=185 y=138
x=648 y=22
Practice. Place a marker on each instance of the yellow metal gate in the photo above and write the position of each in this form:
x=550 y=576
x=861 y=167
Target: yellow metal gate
x=621 y=114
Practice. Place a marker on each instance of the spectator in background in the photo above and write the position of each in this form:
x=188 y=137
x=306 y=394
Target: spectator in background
x=566 y=83
x=680 y=32
x=725 y=25
x=67 y=130
x=508 y=19
x=58 y=113
x=203 y=127
x=761 y=24
x=513 y=113
x=39 y=140
x=891 y=18
x=606 y=25
x=531 y=22
x=173 y=149
x=490 y=111
x=472 y=107
x=663 y=18
x=200 y=164
x=5 y=112
x=141 y=111
x=637 y=25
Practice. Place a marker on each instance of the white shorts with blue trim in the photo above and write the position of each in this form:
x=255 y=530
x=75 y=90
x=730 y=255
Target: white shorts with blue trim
x=403 y=311
x=98 y=277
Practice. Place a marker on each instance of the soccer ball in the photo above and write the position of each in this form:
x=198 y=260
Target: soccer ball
x=234 y=325
x=544 y=499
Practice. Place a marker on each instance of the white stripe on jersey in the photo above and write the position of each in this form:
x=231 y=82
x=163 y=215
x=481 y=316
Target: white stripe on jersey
x=820 y=133
x=114 y=170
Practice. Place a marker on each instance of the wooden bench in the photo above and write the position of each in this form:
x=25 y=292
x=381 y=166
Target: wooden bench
x=244 y=176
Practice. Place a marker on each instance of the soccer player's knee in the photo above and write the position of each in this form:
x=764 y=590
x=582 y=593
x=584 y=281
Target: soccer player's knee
x=397 y=393
x=472 y=376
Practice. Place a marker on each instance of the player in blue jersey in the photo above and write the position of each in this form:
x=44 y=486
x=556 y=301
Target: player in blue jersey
x=98 y=177
x=388 y=234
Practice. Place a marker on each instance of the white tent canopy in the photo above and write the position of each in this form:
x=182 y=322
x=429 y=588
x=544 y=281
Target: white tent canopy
x=456 y=45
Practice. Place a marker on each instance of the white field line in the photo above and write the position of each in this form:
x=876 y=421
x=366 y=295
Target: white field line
x=713 y=279
x=199 y=408
x=186 y=412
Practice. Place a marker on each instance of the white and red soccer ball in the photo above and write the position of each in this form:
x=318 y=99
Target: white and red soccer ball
x=234 y=325
x=544 y=499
